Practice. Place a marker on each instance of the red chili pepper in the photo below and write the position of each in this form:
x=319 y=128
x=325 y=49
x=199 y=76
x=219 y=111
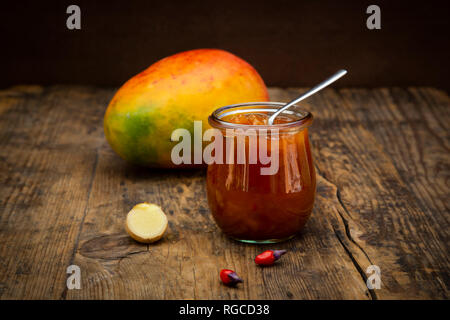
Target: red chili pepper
x=268 y=257
x=229 y=277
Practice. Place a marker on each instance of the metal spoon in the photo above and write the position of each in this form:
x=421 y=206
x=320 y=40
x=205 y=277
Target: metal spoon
x=308 y=93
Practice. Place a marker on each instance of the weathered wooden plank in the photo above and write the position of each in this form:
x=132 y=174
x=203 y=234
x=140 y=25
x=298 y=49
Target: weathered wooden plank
x=185 y=264
x=414 y=131
x=385 y=222
x=46 y=142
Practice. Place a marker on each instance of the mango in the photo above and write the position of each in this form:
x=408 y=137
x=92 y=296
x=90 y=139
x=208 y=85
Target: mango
x=171 y=94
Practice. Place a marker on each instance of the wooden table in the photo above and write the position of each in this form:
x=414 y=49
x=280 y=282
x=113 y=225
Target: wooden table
x=383 y=168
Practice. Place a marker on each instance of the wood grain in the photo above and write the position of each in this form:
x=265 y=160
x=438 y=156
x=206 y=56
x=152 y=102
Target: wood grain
x=382 y=159
x=46 y=173
x=383 y=218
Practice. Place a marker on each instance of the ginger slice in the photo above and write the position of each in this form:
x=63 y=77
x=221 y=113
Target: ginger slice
x=146 y=222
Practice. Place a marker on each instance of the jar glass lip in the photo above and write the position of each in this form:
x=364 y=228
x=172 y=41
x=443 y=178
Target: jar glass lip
x=304 y=118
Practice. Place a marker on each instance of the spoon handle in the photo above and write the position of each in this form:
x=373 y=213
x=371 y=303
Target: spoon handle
x=308 y=93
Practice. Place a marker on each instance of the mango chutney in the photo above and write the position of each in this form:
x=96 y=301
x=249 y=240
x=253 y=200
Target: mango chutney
x=252 y=207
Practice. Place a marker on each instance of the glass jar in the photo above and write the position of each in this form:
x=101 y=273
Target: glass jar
x=246 y=204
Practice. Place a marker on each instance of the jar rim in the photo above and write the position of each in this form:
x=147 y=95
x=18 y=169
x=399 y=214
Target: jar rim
x=215 y=119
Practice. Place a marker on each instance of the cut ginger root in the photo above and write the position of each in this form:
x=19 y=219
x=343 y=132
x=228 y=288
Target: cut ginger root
x=146 y=222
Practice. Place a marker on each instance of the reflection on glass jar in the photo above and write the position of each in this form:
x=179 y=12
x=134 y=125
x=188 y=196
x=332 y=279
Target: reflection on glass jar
x=252 y=207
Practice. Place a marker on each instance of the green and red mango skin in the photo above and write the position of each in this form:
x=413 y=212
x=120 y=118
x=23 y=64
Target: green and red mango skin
x=171 y=94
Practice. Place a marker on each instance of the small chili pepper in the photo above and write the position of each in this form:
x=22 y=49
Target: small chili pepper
x=268 y=257
x=229 y=277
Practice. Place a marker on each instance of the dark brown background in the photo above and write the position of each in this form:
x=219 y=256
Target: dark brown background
x=291 y=43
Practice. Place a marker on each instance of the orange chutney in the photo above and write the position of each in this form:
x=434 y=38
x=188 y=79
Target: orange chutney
x=252 y=207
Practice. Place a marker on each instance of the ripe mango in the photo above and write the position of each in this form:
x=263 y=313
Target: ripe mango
x=171 y=94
